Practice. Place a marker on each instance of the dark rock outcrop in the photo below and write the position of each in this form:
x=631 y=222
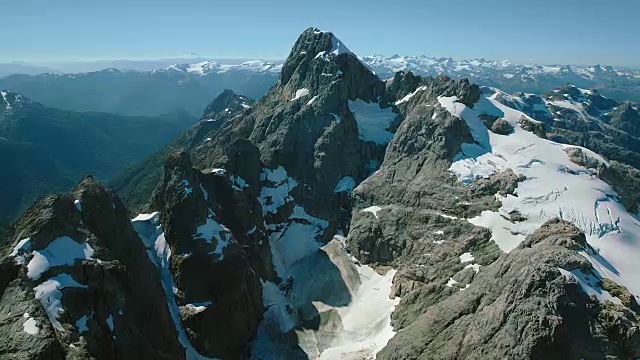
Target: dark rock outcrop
x=227 y=101
x=205 y=237
x=97 y=273
x=537 y=127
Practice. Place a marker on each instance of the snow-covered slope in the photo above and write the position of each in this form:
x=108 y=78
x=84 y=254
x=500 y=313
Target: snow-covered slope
x=554 y=187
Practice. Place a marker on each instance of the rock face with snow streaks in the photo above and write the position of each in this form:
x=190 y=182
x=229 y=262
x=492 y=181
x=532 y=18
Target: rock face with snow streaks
x=81 y=275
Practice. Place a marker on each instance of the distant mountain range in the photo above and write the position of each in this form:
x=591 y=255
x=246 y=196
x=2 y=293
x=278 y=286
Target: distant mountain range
x=45 y=150
x=128 y=92
x=623 y=84
x=191 y=85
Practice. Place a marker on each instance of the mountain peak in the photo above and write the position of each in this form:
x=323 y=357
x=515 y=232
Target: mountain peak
x=10 y=100
x=321 y=59
x=319 y=44
x=228 y=101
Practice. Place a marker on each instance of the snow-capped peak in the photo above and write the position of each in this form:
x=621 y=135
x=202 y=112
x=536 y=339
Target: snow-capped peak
x=214 y=67
x=4 y=97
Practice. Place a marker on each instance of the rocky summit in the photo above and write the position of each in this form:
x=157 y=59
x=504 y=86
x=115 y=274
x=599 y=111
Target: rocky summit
x=341 y=216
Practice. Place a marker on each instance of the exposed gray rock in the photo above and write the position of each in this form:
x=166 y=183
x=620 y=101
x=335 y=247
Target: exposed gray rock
x=625 y=180
x=523 y=307
x=501 y=126
x=626 y=118
x=537 y=127
x=227 y=102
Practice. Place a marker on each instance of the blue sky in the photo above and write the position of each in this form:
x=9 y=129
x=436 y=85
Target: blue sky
x=546 y=31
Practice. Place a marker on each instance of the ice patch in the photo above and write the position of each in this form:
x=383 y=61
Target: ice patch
x=187 y=187
x=346 y=184
x=372 y=121
x=110 y=322
x=81 y=324
x=218 y=171
x=78 y=205
x=357 y=328
x=238 y=183
x=297 y=240
x=451 y=282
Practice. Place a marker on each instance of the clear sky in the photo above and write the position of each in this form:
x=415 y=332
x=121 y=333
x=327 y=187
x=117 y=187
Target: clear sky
x=544 y=31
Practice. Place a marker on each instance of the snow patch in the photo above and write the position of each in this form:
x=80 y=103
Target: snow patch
x=475 y=267
x=466 y=257
x=409 y=96
x=346 y=184
x=313 y=99
x=30 y=325
x=300 y=93
x=589 y=284
x=212 y=229
x=81 y=324
x=554 y=187
x=372 y=121
x=451 y=282
x=198 y=307
x=373 y=209
x=275 y=193
x=62 y=251
x=21 y=250
x=50 y=296
x=159 y=252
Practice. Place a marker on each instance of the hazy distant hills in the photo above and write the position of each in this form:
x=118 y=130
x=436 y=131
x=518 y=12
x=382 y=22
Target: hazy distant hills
x=129 y=92
x=45 y=150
